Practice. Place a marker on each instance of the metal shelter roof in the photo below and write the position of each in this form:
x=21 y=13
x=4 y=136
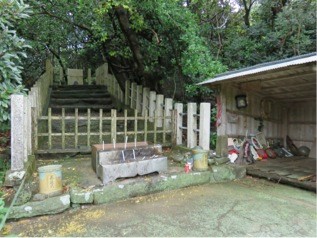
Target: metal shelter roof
x=288 y=80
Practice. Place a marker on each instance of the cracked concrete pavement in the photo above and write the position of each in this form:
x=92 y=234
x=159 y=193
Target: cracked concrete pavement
x=248 y=207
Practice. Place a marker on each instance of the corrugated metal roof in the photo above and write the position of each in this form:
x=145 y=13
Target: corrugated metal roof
x=297 y=60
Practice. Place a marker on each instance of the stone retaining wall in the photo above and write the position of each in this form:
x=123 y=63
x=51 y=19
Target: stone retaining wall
x=121 y=190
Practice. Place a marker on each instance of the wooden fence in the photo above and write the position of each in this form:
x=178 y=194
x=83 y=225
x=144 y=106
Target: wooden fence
x=149 y=103
x=77 y=132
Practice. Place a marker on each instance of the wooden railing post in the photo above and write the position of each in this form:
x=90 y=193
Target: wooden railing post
x=179 y=123
x=204 y=126
x=191 y=125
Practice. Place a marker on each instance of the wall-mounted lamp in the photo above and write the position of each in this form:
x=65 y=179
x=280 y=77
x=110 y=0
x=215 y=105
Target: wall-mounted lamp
x=241 y=101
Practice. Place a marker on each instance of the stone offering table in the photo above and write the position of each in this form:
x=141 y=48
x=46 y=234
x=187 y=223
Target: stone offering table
x=121 y=161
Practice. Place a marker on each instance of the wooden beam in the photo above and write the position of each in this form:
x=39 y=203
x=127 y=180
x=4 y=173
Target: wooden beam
x=290 y=85
x=295 y=92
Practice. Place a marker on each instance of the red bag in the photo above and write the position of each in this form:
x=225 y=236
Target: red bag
x=262 y=153
x=270 y=153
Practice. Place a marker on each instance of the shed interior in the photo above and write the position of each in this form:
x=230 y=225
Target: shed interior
x=281 y=101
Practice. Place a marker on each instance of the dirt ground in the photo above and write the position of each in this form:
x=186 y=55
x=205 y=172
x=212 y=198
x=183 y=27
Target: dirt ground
x=247 y=207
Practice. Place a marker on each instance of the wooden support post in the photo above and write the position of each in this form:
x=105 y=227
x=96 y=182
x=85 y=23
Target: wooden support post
x=152 y=105
x=168 y=107
x=127 y=93
x=133 y=96
x=204 y=126
x=159 y=109
x=222 y=137
x=139 y=98
x=179 y=123
x=145 y=100
x=191 y=125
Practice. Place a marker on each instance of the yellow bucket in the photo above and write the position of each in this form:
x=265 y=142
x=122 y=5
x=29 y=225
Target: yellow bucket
x=200 y=157
x=50 y=179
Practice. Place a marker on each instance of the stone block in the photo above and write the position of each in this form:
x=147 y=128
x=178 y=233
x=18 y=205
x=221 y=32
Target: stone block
x=119 y=191
x=81 y=196
x=52 y=205
x=226 y=172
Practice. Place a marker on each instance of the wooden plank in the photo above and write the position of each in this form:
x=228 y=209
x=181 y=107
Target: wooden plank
x=63 y=128
x=76 y=127
x=49 y=124
x=88 y=127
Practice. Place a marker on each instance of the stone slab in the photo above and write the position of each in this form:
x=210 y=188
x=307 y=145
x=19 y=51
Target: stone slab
x=110 y=172
x=107 y=147
x=51 y=205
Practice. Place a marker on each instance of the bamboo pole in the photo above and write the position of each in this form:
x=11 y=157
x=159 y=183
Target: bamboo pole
x=49 y=122
x=100 y=124
x=63 y=128
x=76 y=127
x=88 y=127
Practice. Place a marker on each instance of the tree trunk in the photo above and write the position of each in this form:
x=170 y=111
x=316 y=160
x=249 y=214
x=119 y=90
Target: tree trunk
x=132 y=39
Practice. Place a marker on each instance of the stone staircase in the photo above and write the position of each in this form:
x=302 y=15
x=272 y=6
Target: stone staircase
x=82 y=97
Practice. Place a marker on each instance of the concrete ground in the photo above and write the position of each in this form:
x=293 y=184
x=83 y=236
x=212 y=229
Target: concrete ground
x=247 y=207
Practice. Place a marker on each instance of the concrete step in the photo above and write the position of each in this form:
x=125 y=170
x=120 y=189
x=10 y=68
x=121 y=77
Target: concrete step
x=86 y=94
x=75 y=87
x=71 y=101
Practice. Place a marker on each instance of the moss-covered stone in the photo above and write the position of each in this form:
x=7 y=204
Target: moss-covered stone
x=80 y=196
x=226 y=172
x=116 y=192
x=51 y=205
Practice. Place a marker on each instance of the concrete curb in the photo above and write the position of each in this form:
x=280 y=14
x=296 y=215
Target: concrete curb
x=120 y=190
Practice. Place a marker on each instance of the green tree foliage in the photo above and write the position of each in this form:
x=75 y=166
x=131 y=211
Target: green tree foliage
x=11 y=50
x=167 y=45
